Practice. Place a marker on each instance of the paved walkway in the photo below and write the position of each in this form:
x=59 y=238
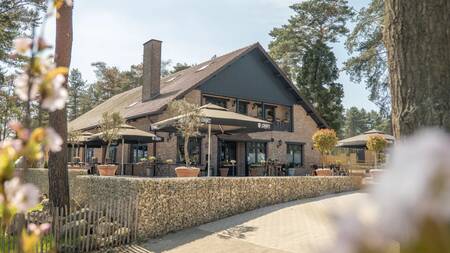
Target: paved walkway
x=298 y=226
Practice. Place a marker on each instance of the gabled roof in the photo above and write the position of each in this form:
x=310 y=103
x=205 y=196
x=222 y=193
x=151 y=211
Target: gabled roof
x=129 y=103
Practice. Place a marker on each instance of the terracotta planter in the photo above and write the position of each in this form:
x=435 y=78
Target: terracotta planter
x=187 y=171
x=254 y=172
x=107 y=169
x=324 y=172
x=224 y=172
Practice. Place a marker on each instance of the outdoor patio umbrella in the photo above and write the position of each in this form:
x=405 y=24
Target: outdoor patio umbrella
x=361 y=140
x=127 y=134
x=217 y=119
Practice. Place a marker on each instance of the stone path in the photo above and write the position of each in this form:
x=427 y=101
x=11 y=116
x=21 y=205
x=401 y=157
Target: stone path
x=298 y=226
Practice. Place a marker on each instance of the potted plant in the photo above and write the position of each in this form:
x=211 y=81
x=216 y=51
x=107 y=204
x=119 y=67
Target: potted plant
x=109 y=127
x=224 y=171
x=291 y=170
x=254 y=169
x=376 y=143
x=188 y=126
x=324 y=140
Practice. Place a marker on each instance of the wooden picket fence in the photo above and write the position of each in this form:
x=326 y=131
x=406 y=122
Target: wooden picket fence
x=94 y=227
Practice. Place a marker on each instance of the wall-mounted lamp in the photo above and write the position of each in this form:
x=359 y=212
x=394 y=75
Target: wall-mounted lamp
x=169 y=137
x=272 y=139
x=280 y=142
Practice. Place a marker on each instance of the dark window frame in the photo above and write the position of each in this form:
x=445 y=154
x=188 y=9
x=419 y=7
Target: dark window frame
x=238 y=107
x=297 y=147
x=223 y=102
x=135 y=154
x=180 y=147
x=268 y=108
x=255 y=146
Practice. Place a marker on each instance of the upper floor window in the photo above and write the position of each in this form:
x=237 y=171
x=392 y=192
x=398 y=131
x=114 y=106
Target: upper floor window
x=216 y=101
x=269 y=113
x=242 y=107
x=259 y=111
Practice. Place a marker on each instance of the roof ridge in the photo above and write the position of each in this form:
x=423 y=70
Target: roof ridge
x=210 y=60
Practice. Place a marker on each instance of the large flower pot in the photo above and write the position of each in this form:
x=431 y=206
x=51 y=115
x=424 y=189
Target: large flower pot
x=107 y=169
x=291 y=172
x=324 y=172
x=224 y=172
x=187 y=171
x=253 y=172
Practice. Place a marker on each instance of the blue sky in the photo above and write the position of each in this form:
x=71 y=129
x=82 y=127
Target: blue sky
x=191 y=30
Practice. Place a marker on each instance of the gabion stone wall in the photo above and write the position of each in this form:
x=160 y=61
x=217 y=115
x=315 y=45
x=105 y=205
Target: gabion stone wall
x=171 y=204
x=39 y=177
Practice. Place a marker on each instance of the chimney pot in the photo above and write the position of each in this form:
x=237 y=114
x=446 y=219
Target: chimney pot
x=151 y=69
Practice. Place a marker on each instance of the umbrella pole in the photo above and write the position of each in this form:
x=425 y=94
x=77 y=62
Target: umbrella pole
x=209 y=150
x=123 y=144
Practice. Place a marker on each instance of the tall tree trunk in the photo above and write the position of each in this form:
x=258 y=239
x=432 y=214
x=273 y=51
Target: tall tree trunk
x=417 y=38
x=57 y=164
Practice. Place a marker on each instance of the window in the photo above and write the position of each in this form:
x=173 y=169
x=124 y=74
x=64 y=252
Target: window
x=89 y=154
x=295 y=155
x=216 y=101
x=242 y=107
x=227 y=151
x=256 y=152
x=112 y=154
x=269 y=113
x=259 y=111
x=194 y=150
x=138 y=151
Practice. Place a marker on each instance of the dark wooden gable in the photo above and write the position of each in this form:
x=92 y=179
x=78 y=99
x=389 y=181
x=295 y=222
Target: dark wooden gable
x=251 y=77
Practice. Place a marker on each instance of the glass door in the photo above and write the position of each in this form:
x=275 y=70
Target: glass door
x=256 y=152
x=227 y=153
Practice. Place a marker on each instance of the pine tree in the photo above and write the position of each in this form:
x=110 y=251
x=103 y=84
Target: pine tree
x=76 y=90
x=368 y=61
x=317 y=82
x=301 y=48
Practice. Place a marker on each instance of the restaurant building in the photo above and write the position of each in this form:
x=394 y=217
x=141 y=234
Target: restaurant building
x=246 y=81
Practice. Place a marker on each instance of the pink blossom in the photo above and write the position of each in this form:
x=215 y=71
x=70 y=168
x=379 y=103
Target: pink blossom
x=39 y=230
x=54 y=141
x=23 y=90
x=22 y=45
x=21 y=196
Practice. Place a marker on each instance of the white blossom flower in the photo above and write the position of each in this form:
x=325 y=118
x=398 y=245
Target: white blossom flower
x=21 y=196
x=414 y=187
x=22 y=88
x=58 y=96
x=22 y=45
x=53 y=140
x=39 y=229
x=406 y=193
x=69 y=2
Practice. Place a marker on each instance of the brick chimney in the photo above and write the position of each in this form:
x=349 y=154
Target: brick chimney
x=152 y=69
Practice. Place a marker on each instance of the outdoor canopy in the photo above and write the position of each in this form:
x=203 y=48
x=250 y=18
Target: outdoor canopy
x=217 y=119
x=127 y=134
x=361 y=140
